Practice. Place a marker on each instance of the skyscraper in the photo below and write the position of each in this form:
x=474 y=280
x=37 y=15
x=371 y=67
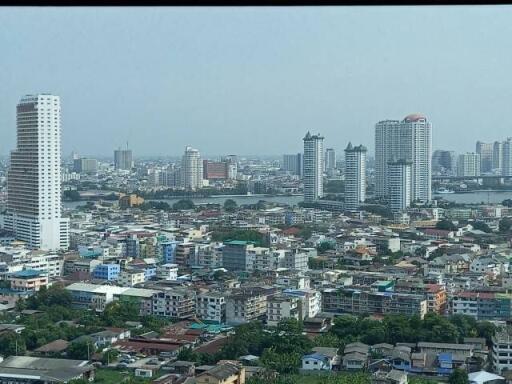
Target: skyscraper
x=411 y=140
x=506 y=157
x=313 y=167
x=444 y=162
x=497 y=156
x=191 y=169
x=123 y=159
x=293 y=164
x=399 y=176
x=485 y=150
x=468 y=164
x=330 y=159
x=355 y=176
x=34 y=178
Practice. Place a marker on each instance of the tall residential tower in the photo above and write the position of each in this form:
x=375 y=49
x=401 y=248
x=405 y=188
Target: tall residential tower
x=34 y=178
x=313 y=167
x=355 y=176
x=191 y=169
x=411 y=140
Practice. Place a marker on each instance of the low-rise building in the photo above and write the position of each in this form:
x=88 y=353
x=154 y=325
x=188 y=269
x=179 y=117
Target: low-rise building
x=281 y=307
x=131 y=277
x=211 y=306
x=28 y=280
x=177 y=303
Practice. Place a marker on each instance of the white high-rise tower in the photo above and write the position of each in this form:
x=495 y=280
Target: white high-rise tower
x=191 y=169
x=411 y=140
x=355 y=176
x=34 y=177
x=313 y=167
x=399 y=180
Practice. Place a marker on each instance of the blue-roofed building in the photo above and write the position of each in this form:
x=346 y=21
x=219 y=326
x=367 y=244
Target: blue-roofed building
x=28 y=280
x=107 y=272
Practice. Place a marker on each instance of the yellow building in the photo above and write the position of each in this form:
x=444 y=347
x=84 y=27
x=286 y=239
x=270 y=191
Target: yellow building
x=226 y=373
x=128 y=201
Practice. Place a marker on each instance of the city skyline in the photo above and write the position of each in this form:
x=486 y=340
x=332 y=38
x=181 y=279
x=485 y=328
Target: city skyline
x=204 y=79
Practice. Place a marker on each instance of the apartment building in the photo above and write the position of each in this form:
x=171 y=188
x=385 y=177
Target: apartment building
x=502 y=350
x=247 y=304
x=131 y=277
x=211 y=306
x=177 y=303
x=482 y=305
x=356 y=301
x=28 y=280
x=281 y=307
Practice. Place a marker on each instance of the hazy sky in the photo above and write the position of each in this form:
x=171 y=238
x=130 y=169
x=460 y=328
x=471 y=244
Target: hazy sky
x=254 y=80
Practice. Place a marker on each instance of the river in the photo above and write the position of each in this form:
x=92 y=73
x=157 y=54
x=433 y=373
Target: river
x=476 y=197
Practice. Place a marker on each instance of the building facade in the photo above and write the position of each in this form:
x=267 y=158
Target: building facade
x=313 y=167
x=123 y=159
x=191 y=169
x=399 y=184
x=355 y=176
x=468 y=164
x=409 y=139
x=34 y=178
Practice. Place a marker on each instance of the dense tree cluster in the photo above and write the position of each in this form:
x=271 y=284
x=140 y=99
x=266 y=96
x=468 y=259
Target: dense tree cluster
x=399 y=328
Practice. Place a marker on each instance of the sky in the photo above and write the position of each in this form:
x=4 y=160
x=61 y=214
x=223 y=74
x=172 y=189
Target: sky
x=254 y=80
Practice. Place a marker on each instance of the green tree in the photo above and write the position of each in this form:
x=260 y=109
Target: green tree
x=446 y=225
x=505 y=224
x=118 y=312
x=325 y=246
x=81 y=350
x=230 y=205
x=481 y=226
x=11 y=344
x=188 y=354
x=183 y=205
x=109 y=356
x=458 y=376
x=286 y=363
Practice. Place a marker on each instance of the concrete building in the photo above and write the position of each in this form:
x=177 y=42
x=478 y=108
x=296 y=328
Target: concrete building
x=281 y=307
x=399 y=184
x=211 y=306
x=84 y=165
x=216 y=170
x=506 y=162
x=123 y=159
x=247 y=304
x=34 y=177
x=107 y=272
x=356 y=301
x=235 y=255
x=168 y=272
x=355 y=176
x=313 y=167
x=409 y=139
x=502 y=350
x=497 y=156
x=444 y=162
x=191 y=169
x=485 y=150
x=177 y=303
x=293 y=164
x=468 y=164
x=131 y=277
x=330 y=160
x=28 y=280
